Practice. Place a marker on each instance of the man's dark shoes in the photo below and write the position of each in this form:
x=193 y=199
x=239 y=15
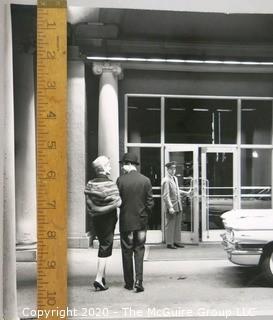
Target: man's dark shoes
x=128 y=286
x=170 y=246
x=179 y=245
x=138 y=286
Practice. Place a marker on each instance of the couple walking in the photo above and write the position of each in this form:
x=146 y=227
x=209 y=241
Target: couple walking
x=133 y=194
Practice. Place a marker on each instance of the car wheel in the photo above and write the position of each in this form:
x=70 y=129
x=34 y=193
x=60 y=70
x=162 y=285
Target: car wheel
x=267 y=264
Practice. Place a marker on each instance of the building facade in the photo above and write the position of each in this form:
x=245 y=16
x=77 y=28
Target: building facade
x=167 y=85
x=185 y=81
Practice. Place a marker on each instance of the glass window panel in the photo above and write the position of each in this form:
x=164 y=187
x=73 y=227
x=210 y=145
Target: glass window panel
x=256 y=122
x=219 y=187
x=149 y=163
x=200 y=120
x=184 y=174
x=154 y=222
x=256 y=178
x=144 y=120
x=150 y=166
x=187 y=214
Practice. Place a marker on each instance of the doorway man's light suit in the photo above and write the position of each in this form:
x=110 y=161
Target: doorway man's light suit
x=172 y=199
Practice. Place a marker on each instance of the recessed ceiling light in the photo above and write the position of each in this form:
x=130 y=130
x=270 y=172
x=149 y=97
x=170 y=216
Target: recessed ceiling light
x=189 y=61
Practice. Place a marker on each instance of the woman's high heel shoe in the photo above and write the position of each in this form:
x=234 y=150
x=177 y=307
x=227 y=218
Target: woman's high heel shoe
x=99 y=286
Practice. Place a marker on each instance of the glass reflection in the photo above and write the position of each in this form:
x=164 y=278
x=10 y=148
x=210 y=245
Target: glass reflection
x=200 y=120
x=256 y=179
x=219 y=186
x=143 y=120
x=256 y=122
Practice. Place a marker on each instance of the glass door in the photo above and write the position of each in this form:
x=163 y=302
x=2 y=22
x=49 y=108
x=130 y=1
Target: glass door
x=219 y=188
x=186 y=158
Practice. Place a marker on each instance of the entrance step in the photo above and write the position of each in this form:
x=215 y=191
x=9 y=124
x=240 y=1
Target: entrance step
x=203 y=251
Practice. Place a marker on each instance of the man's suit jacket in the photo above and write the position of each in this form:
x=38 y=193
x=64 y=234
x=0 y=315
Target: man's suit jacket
x=171 y=194
x=137 y=201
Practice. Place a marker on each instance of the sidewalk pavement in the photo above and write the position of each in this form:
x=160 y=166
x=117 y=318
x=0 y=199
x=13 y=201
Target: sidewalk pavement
x=211 y=288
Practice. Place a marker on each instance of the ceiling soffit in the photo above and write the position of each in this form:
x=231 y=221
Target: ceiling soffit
x=176 y=34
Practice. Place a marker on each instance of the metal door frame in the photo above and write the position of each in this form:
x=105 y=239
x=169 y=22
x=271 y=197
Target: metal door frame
x=214 y=235
x=191 y=237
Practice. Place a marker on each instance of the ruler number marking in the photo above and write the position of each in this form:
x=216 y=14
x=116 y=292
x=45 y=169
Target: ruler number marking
x=51 y=55
x=51 y=174
x=51 y=234
x=51 y=115
x=51 y=24
x=51 y=144
x=51 y=298
x=51 y=264
x=51 y=204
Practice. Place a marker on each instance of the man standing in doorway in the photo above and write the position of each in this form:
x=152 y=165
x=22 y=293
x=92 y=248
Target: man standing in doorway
x=172 y=207
x=137 y=201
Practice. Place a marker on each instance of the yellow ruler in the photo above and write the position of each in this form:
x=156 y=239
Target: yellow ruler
x=51 y=157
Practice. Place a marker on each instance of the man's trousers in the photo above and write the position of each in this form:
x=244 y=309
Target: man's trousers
x=132 y=243
x=173 y=228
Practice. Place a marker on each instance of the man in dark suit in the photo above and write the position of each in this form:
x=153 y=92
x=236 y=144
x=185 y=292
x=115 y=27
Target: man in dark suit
x=137 y=201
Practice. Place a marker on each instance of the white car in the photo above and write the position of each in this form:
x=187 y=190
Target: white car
x=248 y=238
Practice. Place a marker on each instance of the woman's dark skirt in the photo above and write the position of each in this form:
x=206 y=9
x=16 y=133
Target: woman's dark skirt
x=104 y=228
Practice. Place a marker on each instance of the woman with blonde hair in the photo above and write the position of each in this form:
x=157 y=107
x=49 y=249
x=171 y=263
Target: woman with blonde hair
x=102 y=198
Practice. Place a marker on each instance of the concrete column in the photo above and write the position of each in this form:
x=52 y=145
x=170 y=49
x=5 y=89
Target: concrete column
x=25 y=162
x=108 y=135
x=77 y=236
x=9 y=259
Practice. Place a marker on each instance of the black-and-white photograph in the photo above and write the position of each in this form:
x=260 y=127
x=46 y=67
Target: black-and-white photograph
x=169 y=160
